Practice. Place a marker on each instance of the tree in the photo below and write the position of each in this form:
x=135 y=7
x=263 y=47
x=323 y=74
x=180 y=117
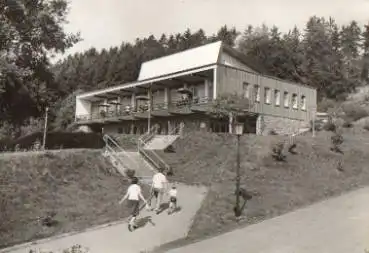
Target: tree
x=350 y=45
x=320 y=57
x=30 y=31
x=229 y=106
x=64 y=111
x=365 y=48
x=228 y=36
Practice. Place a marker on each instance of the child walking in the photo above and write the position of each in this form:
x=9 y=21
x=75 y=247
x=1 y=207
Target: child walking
x=172 y=199
x=134 y=194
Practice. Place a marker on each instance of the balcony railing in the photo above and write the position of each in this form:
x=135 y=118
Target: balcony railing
x=131 y=111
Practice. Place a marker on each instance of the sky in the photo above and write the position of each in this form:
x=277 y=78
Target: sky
x=106 y=23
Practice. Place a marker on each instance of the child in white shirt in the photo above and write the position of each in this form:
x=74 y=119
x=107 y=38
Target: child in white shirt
x=134 y=194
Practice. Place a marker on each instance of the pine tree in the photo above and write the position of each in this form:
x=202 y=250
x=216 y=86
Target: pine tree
x=365 y=48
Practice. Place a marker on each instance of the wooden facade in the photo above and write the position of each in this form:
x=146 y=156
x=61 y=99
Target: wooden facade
x=268 y=95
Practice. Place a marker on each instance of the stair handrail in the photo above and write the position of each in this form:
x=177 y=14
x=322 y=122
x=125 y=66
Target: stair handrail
x=112 y=151
x=172 y=132
x=141 y=146
x=146 y=136
x=108 y=139
x=142 y=141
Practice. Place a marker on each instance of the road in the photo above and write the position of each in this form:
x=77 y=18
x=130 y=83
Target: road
x=337 y=225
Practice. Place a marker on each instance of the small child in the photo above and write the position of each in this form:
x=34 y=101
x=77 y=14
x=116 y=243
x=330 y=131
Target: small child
x=172 y=199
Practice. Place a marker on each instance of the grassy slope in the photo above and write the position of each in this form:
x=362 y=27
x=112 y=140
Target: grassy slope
x=307 y=177
x=127 y=141
x=79 y=185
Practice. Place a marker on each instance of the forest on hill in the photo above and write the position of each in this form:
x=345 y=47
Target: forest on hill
x=332 y=58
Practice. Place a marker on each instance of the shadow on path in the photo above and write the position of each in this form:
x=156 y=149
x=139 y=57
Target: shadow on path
x=143 y=222
x=163 y=207
x=177 y=210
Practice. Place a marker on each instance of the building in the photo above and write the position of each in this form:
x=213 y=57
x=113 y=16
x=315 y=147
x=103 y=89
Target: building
x=179 y=88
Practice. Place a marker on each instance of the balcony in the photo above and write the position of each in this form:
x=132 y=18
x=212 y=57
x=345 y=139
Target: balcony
x=180 y=107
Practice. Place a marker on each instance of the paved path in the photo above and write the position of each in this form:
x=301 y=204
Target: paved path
x=117 y=238
x=338 y=225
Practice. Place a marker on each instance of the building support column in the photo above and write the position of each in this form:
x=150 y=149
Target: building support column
x=206 y=87
x=166 y=98
x=106 y=109
x=119 y=106
x=230 y=123
x=169 y=127
x=149 y=95
x=133 y=100
x=215 y=83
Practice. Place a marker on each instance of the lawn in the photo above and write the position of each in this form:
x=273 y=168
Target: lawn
x=304 y=178
x=79 y=186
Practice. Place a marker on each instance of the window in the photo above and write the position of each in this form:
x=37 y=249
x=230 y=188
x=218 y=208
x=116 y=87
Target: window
x=257 y=93
x=267 y=95
x=277 y=97
x=285 y=99
x=303 y=102
x=246 y=88
x=294 y=101
x=120 y=130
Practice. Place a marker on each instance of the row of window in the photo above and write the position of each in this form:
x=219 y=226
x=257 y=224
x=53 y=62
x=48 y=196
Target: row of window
x=277 y=96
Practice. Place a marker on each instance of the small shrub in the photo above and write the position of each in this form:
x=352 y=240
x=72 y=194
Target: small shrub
x=330 y=126
x=277 y=151
x=347 y=124
x=355 y=112
x=326 y=104
x=273 y=132
x=336 y=140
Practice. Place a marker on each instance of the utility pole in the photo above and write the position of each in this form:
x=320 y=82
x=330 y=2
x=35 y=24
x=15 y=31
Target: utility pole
x=45 y=128
x=238 y=131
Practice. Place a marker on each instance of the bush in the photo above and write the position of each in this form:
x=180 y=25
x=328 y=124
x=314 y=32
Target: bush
x=273 y=132
x=277 y=151
x=32 y=125
x=336 y=140
x=326 y=104
x=55 y=140
x=355 y=112
x=347 y=124
x=330 y=126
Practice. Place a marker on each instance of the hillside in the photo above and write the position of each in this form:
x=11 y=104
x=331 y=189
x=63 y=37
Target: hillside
x=79 y=187
x=309 y=176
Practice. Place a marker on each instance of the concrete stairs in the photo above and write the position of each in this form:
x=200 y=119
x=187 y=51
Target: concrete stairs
x=160 y=142
x=133 y=160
